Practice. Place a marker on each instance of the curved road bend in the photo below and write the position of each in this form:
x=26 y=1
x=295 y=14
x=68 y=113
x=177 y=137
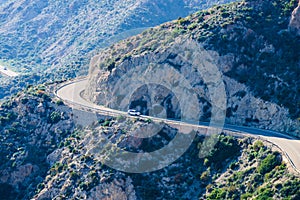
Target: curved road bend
x=71 y=93
x=7 y=72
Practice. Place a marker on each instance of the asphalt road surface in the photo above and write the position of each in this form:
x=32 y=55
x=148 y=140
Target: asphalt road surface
x=71 y=93
x=7 y=72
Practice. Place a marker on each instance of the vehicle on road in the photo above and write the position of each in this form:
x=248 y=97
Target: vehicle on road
x=133 y=112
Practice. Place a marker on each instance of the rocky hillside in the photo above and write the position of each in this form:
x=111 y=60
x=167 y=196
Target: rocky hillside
x=253 y=43
x=3 y=1
x=38 y=33
x=61 y=37
x=31 y=127
x=43 y=156
x=237 y=168
x=295 y=21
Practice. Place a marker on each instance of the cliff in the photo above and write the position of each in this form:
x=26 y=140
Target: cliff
x=295 y=20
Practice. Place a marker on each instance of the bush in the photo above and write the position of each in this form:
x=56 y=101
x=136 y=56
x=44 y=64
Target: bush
x=226 y=147
x=106 y=123
x=10 y=116
x=217 y=194
x=267 y=164
x=205 y=176
x=54 y=117
x=121 y=118
x=246 y=196
x=265 y=194
x=258 y=145
x=59 y=103
x=24 y=100
x=74 y=176
x=233 y=165
x=206 y=162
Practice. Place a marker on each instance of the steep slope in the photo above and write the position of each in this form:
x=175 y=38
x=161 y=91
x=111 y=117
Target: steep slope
x=235 y=169
x=43 y=157
x=251 y=44
x=37 y=33
x=3 y=1
x=31 y=127
x=295 y=21
x=60 y=37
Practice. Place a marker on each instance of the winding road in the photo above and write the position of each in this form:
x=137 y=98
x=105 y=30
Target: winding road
x=70 y=93
x=7 y=72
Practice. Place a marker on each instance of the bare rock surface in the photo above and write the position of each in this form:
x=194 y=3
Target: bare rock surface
x=295 y=20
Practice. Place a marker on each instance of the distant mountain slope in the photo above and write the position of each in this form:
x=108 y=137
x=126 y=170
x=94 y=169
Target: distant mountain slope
x=60 y=37
x=3 y=1
x=252 y=44
x=43 y=33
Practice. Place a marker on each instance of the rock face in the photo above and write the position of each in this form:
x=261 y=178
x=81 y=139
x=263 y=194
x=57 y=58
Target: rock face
x=242 y=107
x=295 y=20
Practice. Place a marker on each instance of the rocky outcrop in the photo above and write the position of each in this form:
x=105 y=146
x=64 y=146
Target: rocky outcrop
x=245 y=109
x=242 y=107
x=118 y=189
x=295 y=20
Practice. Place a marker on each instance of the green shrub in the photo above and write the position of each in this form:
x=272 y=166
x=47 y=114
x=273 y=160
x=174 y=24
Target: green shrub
x=233 y=165
x=246 y=196
x=24 y=100
x=59 y=103
x=217 y=194
x=183 y=21
x=54 y=117
x=106 y=123
x=40 y=187
x=192 y=26
x=206 y=162
x=265 y=194
x=258 y=145
x=84 y=186
x=268 y=163
x=11 y=116
x=205 y=176
x=121 y=118
x=74 y=176
x=226 y=147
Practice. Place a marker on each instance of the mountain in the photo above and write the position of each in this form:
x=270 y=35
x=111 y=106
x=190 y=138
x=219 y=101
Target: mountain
x=255 y=45
x=3 y=1
x=37 y=34
x=54 y=40
x=48 y=152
